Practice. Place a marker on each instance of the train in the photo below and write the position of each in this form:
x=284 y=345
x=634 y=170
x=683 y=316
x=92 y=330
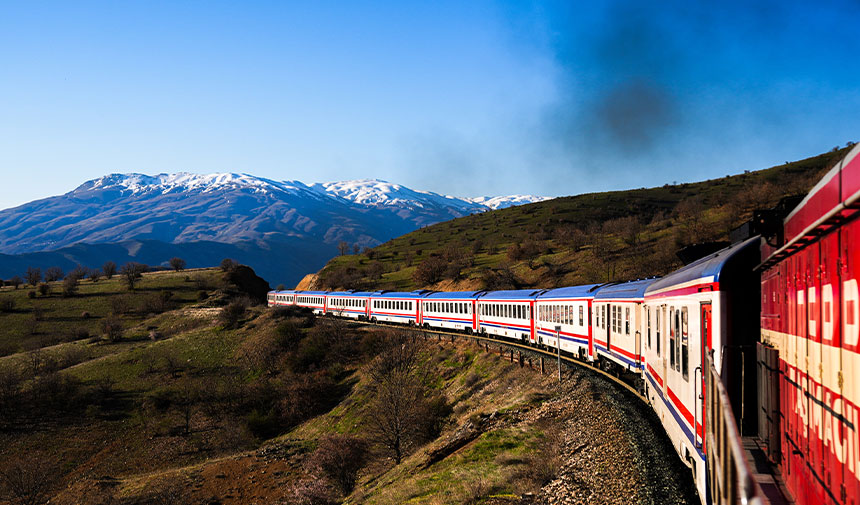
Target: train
x=757 y=339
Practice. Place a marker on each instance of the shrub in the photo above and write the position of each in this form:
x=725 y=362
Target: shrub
x=288 y=335
x=85 y=315
x=228 y=264
x=112 y=328
x=157 y=303
x=31 y=294
x=44 y=289
x=339 y=458
x=310 y=490
x=202 y=295
x=120 y=304
x=263 y=425
x=7 y=305
x=234 y=312
x=70 y=285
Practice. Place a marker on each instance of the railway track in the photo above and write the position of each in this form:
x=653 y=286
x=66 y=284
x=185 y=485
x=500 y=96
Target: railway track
x=566 y=358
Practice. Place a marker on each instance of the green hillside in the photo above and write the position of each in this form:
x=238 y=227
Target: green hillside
x=594 y=237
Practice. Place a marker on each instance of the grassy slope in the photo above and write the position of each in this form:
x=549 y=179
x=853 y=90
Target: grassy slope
x=666 y=218
x=116 y=449
x=75 y=318
x=113 y=435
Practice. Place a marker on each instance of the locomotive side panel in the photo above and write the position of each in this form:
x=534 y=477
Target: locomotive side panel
x=849 y=379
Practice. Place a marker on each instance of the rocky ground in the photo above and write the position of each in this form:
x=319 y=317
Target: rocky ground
x=613 y=449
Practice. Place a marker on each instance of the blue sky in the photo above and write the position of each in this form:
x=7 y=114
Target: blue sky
x=463 y=98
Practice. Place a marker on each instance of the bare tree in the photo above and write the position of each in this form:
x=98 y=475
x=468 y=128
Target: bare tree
x=78 y=273
x=177 y=264
x=399 y=409
x=109 y=268
x=95 y=274
x=53 y=274
x=33 y=275
x=15 y=281
x=185 y=398
x=27 y=480
x=342 y=247
x=356 y=249
x=131 y=272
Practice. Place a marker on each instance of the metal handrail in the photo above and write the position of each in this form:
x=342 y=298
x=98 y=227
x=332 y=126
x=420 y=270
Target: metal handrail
x=729 y=473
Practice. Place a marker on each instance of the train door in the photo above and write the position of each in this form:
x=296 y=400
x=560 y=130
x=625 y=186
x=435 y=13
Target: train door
x=590 y=331
x=799 y=413
x=609 y=328
x=705 y=345
x=665 y=358
x=531 y=314
x=815 y=371
x=831 y=364
x=850 y=339
x=636 y=327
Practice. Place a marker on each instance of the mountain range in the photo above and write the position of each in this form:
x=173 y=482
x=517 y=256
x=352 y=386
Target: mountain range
x=284 y=229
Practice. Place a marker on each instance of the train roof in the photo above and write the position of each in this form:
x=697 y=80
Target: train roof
x=584 y=291
x=708 y=267
x=513 y=294
x=345 y=294
x=632 y=289
x=455 y=295
x=399 y=294
x=312 y=292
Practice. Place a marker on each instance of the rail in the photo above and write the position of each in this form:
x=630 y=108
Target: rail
x=730 y=480
x=502 y=342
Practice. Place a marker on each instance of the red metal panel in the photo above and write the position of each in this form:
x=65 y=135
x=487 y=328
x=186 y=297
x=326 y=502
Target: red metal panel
x=850 y=346
x=815 y=455
x=831 y=362
x=822 y=200
x=850 y=174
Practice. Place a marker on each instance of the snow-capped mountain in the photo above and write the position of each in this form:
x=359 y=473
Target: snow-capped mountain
x=503 y=202
x=249 y=212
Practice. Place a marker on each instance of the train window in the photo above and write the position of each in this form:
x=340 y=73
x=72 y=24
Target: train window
x=581 y=315
x=627 y=320
x=685 y=366
x=672 y=330
x=678 y=342
x=648 y=323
